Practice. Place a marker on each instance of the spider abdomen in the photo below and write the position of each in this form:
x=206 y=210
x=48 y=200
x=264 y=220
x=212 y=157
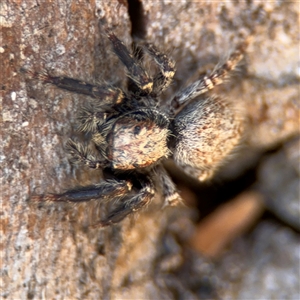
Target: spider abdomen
x=208 y=131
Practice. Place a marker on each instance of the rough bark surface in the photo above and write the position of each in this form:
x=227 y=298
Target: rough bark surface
x=48 y=253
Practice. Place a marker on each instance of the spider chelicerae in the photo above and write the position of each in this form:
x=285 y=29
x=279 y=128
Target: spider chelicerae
x=133 y=132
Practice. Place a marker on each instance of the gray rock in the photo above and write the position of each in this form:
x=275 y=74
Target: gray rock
x=264 y=265
x=279 y=181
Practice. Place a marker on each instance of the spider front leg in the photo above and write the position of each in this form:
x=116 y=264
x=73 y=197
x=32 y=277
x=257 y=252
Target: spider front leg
x=107 y=94
x=105 y=190
x=129 y=205
x=135 y=71
x=166 y=65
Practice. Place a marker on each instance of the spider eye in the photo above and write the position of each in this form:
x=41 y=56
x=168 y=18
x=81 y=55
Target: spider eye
x=137 y=130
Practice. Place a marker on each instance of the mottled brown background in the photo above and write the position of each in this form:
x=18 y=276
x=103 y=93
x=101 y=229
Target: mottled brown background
x=47 y=253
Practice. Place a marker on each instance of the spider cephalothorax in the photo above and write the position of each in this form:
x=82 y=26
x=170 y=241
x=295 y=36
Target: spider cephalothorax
x=133 y=132
x=137 y=139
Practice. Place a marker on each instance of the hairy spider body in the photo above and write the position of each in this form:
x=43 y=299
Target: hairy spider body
x=206 y=131
x=138 y=140
x=132 y=135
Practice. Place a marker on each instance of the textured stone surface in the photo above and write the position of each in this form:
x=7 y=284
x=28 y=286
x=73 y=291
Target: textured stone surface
x=279 y=181
x=265 y=265
x=46 y=253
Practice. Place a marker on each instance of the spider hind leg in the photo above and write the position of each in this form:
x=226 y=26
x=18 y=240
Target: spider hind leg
x=208 y=82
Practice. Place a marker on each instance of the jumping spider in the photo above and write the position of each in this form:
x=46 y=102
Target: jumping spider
x=133 y=132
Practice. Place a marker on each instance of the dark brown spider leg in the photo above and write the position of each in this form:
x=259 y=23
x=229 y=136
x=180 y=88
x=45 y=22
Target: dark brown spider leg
x=81 y=154
x=105 y=190
x=135 y=71
x=208 y=82
x=166 y=65
x=107 y=94
x=127 y=206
